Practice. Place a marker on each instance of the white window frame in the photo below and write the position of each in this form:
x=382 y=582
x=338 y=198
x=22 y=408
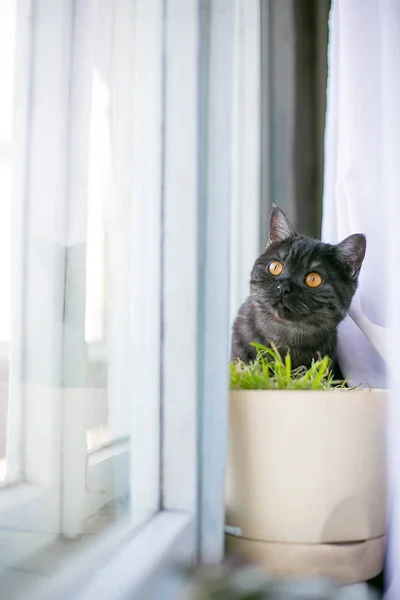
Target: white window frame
x=186 y=73
x=191 y=521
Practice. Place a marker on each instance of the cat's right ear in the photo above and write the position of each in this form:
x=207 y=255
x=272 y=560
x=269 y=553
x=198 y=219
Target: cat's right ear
x=279 y=226
x=352 y=252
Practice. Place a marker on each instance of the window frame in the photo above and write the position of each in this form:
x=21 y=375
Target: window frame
x=185 y=101
x=190 y=524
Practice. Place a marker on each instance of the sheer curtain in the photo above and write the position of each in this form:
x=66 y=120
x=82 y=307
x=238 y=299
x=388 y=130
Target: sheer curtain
x=354 y=172
x=362 y=194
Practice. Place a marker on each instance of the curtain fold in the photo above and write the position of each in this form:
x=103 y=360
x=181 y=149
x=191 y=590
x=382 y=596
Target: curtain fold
x=353 y=201
x=362 y=194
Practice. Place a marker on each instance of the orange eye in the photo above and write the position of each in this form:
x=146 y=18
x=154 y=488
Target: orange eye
x=275 y=268
x=313 y=280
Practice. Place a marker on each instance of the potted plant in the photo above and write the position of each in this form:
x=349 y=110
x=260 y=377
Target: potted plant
x=306 y=470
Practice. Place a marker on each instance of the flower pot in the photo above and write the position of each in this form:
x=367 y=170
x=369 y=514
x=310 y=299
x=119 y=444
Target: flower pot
x=306 y=486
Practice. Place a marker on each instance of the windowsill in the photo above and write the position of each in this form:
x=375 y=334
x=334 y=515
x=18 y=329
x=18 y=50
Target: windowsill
x=29 y=560
x=117 y=564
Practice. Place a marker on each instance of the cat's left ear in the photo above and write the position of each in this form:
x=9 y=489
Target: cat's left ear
x=279 y=226
x=352 y=251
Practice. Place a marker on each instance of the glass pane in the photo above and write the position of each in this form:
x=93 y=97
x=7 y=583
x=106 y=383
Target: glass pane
x=107 y=264
x=76 y=399
x=94 y=366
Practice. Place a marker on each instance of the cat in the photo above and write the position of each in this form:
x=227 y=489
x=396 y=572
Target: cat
x=300 y=290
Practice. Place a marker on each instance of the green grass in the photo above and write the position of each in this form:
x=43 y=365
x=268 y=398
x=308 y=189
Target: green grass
x=269 y=371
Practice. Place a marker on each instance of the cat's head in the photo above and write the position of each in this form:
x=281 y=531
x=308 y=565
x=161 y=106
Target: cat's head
x=299 y=279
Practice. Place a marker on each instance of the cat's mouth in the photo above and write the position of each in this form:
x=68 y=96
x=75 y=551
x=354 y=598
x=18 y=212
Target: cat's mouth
x=278 y=317
x=283 y=313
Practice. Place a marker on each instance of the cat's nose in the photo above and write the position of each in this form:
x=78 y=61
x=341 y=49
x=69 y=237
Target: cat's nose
x=283 y=287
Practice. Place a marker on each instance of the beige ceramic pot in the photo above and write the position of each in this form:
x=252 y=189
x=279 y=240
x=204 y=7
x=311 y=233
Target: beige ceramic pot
x=306 y=491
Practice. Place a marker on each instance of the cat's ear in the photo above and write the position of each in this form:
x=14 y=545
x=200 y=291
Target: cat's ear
x=279 y=227
x=352 y=251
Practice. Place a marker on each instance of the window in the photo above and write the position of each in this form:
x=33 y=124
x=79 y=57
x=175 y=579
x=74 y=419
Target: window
x=122 y=180
x=129 y=184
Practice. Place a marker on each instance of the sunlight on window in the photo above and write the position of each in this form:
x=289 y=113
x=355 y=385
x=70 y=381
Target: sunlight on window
x=97 y=258
x=99 y=193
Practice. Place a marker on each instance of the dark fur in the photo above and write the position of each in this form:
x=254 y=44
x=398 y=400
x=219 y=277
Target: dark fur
x=298 y=317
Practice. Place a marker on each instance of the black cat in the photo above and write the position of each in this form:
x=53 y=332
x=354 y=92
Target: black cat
x=300 y=290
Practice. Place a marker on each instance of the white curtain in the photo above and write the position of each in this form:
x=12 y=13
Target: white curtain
x=362 y=194
x=353 y=201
